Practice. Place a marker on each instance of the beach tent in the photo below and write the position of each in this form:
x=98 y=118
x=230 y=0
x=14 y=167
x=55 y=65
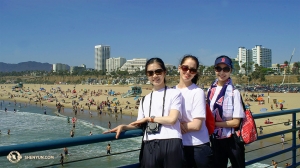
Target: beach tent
x=263 y=110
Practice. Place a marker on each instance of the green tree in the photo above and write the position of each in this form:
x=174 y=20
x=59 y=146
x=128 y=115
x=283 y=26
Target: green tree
x=278 y=67
x=296 y=68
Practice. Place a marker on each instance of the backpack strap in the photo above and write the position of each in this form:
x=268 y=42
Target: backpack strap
x=142 y=101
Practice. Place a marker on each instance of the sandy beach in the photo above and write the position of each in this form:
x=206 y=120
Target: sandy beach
x=86 y=92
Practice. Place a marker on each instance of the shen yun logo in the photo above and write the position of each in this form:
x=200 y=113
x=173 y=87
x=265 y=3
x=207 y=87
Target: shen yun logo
x=14 y=157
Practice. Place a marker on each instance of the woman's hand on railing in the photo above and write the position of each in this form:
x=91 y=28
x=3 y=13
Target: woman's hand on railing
x=117 y=130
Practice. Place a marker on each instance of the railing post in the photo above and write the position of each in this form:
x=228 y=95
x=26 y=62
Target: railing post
x=294 y=140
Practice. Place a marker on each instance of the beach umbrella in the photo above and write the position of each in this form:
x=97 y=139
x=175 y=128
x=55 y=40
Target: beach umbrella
x=280 y=101
x=263 y=110
x=260 y=99
x=114 y=99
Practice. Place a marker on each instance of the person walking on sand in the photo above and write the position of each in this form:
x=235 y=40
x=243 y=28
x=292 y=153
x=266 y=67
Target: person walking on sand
x=282 y=139
x=272 y=106
x=281 y=106
x=108 y=149
x=261 y=129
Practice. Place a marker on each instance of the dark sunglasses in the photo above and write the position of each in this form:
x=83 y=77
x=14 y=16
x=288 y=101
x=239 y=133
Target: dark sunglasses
x=219 y=69
x=186 y=68
x=156 y=72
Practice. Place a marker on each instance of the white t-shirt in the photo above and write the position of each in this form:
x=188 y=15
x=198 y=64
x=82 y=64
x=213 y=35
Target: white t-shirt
x=230 y=110
x=194 y=106
x=172 y=101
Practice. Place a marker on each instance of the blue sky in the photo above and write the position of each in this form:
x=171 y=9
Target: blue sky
x=63 y=31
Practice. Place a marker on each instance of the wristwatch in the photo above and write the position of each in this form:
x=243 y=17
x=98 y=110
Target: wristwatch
x=152 y=119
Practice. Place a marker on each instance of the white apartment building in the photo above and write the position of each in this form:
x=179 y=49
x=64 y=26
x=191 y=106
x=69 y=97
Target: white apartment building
x=134 y=65
x=262 y=56
x=59 y=67
x=113 y=64
x=257 y=55
x=102 y=52
x=242 y=58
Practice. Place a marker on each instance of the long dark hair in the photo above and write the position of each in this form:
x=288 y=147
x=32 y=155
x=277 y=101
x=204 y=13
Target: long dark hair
x=196 y=77
x=159 y=61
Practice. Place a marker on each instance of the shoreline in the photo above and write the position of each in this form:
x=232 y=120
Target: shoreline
x=290 y=99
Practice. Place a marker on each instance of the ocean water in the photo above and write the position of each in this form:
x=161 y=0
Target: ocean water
x=29 y=124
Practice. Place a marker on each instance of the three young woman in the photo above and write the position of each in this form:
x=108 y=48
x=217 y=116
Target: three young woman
x=225 y=103
x=181 y=114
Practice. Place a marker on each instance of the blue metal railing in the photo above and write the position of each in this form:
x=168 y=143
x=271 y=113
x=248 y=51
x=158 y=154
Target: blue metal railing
x=60 y=143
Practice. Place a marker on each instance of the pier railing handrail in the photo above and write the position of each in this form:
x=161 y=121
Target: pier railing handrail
x=67 y=142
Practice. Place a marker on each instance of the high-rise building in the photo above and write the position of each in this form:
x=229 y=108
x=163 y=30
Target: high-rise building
x=257 y=55
x=244 y=57
x=60 y=67
x=113 y=64
x=102 y=52
x=262 y=56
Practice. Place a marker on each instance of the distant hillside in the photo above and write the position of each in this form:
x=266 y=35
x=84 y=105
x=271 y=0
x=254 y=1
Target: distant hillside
x=25 y=66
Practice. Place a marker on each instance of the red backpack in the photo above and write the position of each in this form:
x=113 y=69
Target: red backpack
x=246 y=133
x=210 y=120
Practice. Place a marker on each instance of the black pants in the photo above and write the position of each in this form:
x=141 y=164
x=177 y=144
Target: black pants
x=162 y=153
x=224 y=149
x=198 y=156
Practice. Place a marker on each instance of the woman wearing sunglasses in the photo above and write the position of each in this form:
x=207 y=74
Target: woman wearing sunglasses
x=225 y=103
x=162 y=106
x=195 y=138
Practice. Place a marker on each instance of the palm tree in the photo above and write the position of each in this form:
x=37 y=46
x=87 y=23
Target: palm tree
x=278 y=67
x=295 y=68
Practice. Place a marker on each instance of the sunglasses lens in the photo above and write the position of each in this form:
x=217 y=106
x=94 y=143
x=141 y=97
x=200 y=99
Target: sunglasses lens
x=184 y=68
x=226 y=69
x=193 y=71
x=150 y=73
x=158 y=71
x=218 y=69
